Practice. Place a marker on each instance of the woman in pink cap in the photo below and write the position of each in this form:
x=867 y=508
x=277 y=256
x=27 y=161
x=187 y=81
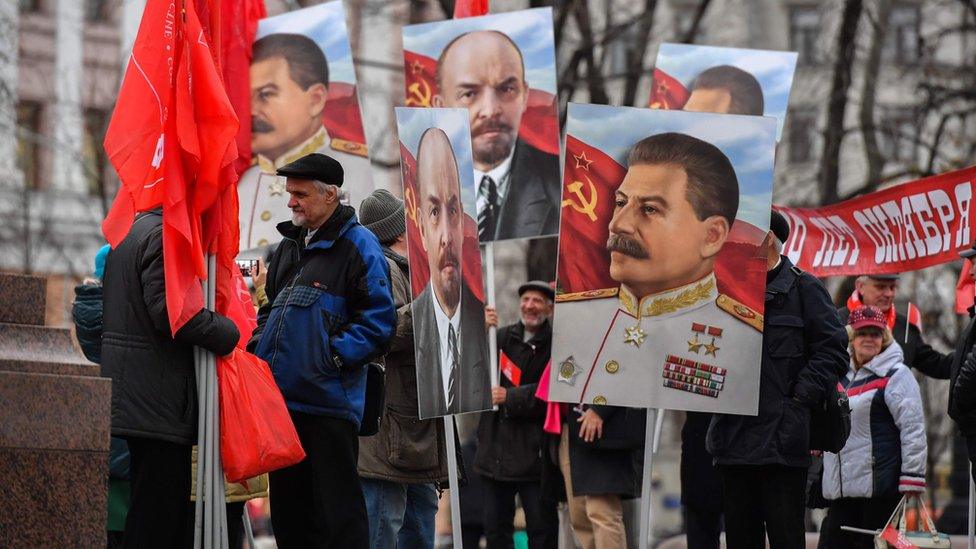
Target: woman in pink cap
x=885 y=454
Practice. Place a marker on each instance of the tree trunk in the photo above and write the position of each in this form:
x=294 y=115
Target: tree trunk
x=837 y=106
x=594 y=80
x=869 y=90
x=696 y=22
x=635 y=61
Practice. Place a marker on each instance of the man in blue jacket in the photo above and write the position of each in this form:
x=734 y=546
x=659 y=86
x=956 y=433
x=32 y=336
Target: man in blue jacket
x=329 y=313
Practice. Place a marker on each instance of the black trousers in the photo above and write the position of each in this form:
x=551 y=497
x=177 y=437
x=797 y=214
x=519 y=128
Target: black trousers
x=764 y=500
x=160 y=511
x=319 y=502
x=703 y=527
x=868 y=513
x=499 y=506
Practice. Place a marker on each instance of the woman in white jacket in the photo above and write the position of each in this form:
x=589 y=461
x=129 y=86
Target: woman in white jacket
x=885 y=454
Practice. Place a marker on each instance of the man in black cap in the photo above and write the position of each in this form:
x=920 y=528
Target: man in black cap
x=962 y=381
x=329 y=313
x=508 y=456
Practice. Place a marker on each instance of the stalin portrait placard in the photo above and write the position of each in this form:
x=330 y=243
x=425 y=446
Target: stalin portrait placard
x=661 y=268
x=448 y=307
x=697 y=78
x=502 y=70
x=303 y=100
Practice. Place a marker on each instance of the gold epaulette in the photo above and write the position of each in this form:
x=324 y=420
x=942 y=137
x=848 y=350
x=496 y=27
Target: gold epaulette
x=740 y=311
x=358 y=149
x=588 y=294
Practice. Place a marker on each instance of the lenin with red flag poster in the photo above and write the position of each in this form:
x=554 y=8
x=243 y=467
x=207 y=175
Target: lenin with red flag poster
x=502 y=70
x=661 y=267
x=303 y=100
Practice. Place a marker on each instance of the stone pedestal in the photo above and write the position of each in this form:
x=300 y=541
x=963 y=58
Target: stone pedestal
x=54 y=428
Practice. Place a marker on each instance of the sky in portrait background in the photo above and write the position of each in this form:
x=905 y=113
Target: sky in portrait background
x=531 y=30
x=411 y=125
x=748 y=141
x=326 y=25
x=773 y=69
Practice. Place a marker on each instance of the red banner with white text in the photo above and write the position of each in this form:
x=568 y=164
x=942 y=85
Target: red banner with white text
x=904 y=228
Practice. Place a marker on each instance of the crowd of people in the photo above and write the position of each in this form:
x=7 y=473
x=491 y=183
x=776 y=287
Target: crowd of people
x=336 y=296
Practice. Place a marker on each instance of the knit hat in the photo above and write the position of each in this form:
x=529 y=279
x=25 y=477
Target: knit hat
x=383 y=213
x=100 y=261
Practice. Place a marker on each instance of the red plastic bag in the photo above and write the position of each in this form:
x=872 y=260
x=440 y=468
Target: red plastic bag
x=256 y=432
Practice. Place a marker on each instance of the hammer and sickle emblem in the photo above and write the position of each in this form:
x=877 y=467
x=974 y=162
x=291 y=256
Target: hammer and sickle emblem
x=584 y=206
x=418 y=94
x=411 y=203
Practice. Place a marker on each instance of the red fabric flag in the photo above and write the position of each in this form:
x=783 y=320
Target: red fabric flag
x=914 y=316
x=590 y=179
x=510 y=369
x=470 y=250
x=965 y=289
x=470 y=8
x=667 y=92
x=540 y=121
x=239 y=24
x=896 y=539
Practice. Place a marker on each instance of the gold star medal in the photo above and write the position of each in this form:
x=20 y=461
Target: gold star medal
x=634 y=335
x=277 y=188
x=711 y=348
x=694 y=346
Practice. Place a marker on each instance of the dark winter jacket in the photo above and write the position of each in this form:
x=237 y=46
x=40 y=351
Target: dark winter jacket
x=918 y=354
x=962 y=382
x=508 y=440
x=804 y=352
x=86 y=311
x=329 y=312
x=595 y=470
x=406 y=449
x=701 y=485
x=154 y=392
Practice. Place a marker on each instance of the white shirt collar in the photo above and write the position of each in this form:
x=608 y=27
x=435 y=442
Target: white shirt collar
x=442 y=329
x=499 y=174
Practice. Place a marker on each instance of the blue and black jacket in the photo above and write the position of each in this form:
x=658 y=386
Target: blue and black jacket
x=329 y=312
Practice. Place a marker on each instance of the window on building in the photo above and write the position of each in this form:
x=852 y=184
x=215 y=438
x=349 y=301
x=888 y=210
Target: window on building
x=901 y=44
x=684 y=17
x=897 y=129
x=93 y=154
x=802 y=136
x=805 y=34
x=97 y=10
x=28 y=142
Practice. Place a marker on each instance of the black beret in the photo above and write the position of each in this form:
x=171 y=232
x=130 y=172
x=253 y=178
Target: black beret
x=539 y=286
x=316 y=166
x=779 y=226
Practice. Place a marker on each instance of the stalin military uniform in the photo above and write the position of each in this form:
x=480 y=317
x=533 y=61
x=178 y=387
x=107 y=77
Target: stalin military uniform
x=264 y=202
x=686 y=348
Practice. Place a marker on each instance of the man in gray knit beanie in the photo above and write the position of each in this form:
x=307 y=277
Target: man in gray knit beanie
x=399 y=486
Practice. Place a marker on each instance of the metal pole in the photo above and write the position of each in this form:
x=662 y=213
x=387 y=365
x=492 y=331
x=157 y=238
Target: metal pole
x=645 y=503
x=490 y=293
x=247 y=528
x=452 y=478
x=972 y=514
x=198 y=358
x=658 y=427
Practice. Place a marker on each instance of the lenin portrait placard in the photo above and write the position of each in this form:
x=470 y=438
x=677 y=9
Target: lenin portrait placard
x=661 y=265
x=448 y=307
x=502 y=70
x=723 y=80
x=303 y=100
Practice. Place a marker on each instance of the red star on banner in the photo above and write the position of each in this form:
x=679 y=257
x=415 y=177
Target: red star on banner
x=582 y=162
x=416 y=67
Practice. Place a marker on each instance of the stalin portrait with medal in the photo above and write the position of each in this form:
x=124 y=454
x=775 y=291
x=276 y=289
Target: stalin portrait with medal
x=665 y=335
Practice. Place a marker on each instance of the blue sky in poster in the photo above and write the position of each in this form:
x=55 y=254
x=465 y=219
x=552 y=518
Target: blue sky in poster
x=412 y=122
x=531 y=30
x=326 y=25
x=748 y=141
x=773 y=69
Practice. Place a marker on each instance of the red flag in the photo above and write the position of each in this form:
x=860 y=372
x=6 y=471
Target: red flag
x=470 y=8
x=914 y=316
x=470 y=250
x=239 y=24
x=510 y=369
x=342 y=118
x=896 y=538
x=540 y=121
x=965 y=289
x=667 y=92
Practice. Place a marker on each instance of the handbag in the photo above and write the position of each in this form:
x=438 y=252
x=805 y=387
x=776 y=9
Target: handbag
x=895 y=533
x=374 y=400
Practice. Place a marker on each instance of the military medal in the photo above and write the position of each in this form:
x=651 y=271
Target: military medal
x=568 y=370
x=634 y=335
x=695 y=345
x=692 y=376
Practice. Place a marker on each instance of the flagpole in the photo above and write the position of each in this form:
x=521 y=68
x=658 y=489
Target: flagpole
x=492 y=330
x=645 y=502
x=452 y=479
x=970 y=544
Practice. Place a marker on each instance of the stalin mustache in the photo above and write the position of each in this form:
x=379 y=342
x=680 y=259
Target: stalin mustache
x=260 y=126
x=626 y=246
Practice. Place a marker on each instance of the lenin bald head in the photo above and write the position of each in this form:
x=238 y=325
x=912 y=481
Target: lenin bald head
x=483 y=71
x=672 y=213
